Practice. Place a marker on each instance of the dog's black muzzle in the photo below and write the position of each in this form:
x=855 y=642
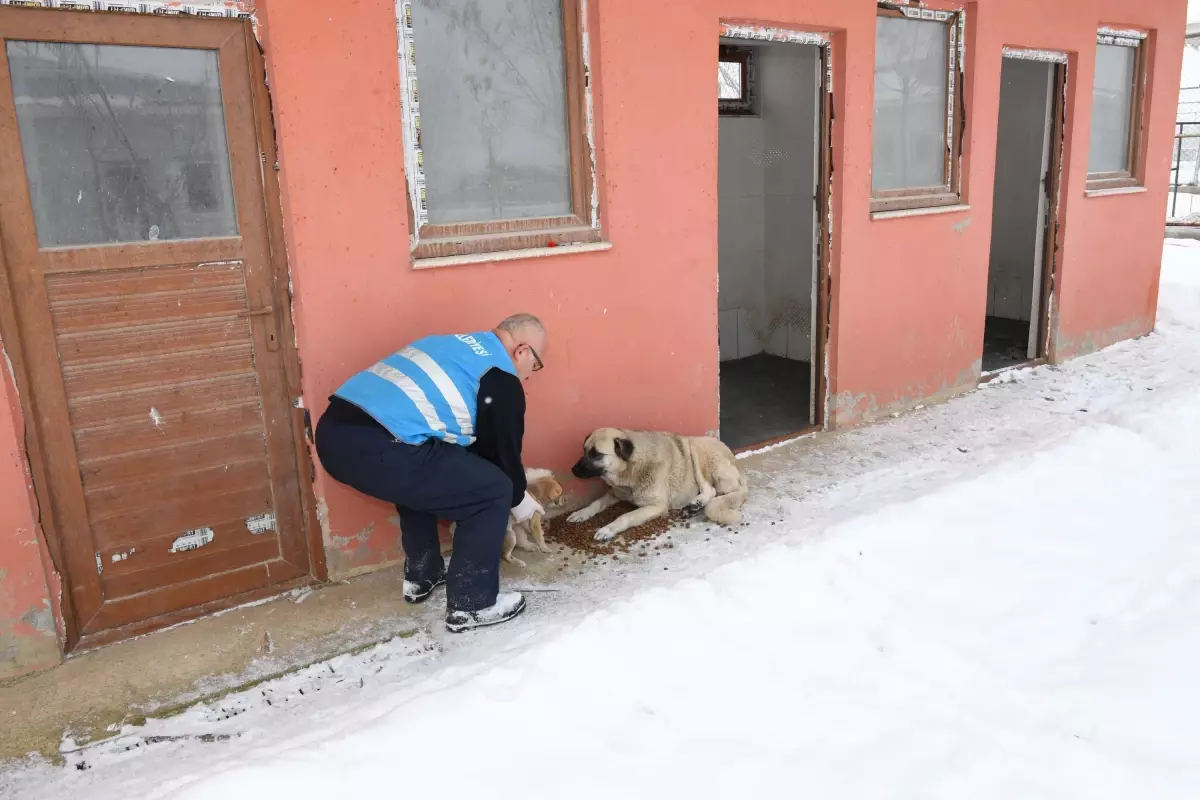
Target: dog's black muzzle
x=585 y=468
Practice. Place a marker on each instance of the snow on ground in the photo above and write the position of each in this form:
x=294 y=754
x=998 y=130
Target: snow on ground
x=996 y=597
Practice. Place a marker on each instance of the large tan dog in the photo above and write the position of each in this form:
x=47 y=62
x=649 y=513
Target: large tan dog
x=658 y=473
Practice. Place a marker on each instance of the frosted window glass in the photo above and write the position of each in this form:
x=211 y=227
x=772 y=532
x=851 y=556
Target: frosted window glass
x=493 y=109
x=911 y=80
x=122 y=144
x=1112 y=97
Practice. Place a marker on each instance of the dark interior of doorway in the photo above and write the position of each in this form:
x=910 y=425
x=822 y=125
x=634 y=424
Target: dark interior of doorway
x=1012 y=330
x=768 y=230
x=763 y=397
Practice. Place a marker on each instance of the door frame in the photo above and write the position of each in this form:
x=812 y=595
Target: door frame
x=821 y=335
x=1046 y=282
x=17 y=349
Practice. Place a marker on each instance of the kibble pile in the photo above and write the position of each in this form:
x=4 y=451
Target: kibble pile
x=579 y=535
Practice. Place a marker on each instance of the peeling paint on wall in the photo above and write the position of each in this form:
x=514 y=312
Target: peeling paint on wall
x=193 y=540
x=11 y=372
x=1124 y=38
x=860 y=408
x=360 y=539
x=1025 y=54
x=241 y=10
x=323 y=521
x=40 y=619
x=773 y=34
x=1090 y=342
x=260 y=524
x=119 y=557
x=589 y=111
x=410 y=114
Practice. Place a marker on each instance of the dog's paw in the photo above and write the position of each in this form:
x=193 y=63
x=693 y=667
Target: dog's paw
x=607 y=533
x=545 y=548
x=582 y=515
x=693 y=508
x=516 y=561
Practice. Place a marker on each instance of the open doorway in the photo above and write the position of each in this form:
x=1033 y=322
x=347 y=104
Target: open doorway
x=1020 y=267
x=771 y=227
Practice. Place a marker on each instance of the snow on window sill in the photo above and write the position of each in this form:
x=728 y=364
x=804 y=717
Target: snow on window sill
x=510 y=255
x=1116 y=191
x=919 y=212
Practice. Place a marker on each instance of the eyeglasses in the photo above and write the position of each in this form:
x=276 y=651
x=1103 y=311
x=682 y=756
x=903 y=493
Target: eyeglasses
x=537 y=360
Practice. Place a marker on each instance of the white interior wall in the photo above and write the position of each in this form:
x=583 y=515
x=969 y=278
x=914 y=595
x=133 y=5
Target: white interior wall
x=1024 y=93
x=766 y=182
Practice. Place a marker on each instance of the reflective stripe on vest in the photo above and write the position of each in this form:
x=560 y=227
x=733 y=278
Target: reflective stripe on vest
x=430 y=388
x=410 y=388
x=458 y=405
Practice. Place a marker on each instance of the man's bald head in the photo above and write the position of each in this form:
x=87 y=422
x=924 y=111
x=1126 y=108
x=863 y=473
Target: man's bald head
x=524 y=337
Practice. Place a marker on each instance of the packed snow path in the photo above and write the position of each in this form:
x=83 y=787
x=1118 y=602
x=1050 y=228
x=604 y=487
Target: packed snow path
x=997 y=597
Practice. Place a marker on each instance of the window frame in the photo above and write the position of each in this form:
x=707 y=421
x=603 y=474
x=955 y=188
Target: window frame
x=1131 y=177
x=580 y=226
x=950 y=192
x=745 y=106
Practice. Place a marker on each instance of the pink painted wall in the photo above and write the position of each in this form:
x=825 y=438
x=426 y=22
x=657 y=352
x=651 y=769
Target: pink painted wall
x=29 y=635
x=633 y=330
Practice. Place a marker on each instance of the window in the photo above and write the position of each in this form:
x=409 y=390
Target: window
x=1116 y=111
x=200 y=182
x=735 y=81
x=918 y=125
x=498 y=152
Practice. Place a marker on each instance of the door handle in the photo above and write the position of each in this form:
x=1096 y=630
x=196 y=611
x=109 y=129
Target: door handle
x=272 y=335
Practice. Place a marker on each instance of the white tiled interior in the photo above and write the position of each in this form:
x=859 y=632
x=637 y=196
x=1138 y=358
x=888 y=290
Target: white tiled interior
x=766 y=184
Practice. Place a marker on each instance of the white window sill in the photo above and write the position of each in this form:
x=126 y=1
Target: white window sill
x=1113 y=192
x=511 y=255
x=919 y=212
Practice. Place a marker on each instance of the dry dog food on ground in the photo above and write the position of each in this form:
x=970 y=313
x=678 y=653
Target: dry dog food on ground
x=579 y=535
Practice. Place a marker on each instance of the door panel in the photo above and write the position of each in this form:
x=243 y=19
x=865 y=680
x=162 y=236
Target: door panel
x=135 y=245
x=1039 y=256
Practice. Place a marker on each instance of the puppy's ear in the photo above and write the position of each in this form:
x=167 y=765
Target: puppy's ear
x=623 y=449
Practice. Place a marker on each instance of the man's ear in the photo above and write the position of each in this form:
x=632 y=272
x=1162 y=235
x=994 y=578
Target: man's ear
x=623 y=449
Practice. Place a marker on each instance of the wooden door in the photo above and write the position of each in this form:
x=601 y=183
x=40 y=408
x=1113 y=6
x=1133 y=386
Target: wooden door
x=138 y=266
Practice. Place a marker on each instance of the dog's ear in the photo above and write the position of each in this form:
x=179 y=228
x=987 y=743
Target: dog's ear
x=623 y=448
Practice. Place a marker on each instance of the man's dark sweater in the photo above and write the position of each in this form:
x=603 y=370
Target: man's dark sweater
x=499 y=424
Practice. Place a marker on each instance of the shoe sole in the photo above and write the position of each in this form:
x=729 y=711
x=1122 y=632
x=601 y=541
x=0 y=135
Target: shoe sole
x=416 y=599
x=473 y=626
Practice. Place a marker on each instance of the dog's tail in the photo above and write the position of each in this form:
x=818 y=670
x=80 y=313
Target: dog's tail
x=726 y=509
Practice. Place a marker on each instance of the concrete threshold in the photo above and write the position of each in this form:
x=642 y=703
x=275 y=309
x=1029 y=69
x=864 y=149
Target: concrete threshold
x=1183 y=231
x=90 y=695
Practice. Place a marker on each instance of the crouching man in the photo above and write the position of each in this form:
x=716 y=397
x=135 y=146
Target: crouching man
x=436 y=430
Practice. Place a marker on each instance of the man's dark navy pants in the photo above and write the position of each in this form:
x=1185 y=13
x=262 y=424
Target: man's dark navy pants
x=425 y=483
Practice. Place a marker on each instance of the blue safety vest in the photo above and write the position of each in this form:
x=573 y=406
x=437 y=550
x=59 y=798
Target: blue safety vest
x=429 y=390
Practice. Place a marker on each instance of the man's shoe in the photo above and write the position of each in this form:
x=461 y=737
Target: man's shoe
x=419 y=591
x=507 y=606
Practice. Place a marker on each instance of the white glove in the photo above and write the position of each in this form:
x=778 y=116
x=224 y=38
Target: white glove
x=527 y=508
